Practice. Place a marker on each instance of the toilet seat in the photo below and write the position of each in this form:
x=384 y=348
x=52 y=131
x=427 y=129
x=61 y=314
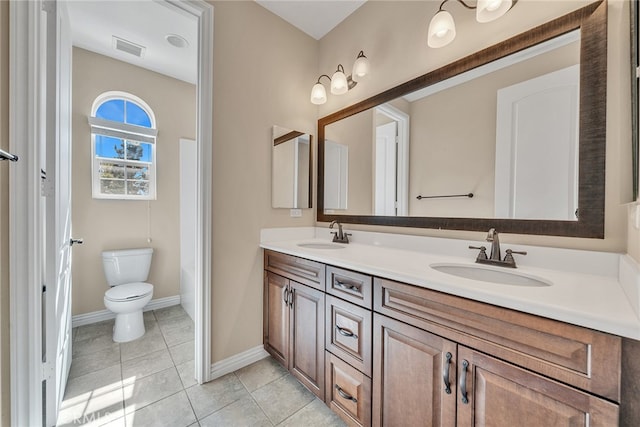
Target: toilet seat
x=129 y=291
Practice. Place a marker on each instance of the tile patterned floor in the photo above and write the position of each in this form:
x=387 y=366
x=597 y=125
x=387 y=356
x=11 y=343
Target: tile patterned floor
x=149 y=382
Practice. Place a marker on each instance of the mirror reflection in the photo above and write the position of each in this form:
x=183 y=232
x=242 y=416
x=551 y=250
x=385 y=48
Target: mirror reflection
x=290 y=169
x=498 y=141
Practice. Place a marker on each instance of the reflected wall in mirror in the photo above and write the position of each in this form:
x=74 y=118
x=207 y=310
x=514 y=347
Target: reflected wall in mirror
x=290 y=169
x=519 y=127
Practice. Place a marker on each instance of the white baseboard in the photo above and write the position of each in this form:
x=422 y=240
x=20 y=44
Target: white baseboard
x=238 y=361
x=101 y=315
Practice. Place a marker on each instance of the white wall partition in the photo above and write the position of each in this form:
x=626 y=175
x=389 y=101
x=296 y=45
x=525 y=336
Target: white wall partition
x=188 y=181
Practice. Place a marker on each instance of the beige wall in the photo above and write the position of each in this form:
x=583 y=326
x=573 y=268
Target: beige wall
x=263 y=71
x=119 y=224
x=453 y=138
x=393 y=35
x=4 y=216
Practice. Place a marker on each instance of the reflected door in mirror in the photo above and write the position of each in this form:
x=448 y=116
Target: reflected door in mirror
x=537 y=147
x=336 y=175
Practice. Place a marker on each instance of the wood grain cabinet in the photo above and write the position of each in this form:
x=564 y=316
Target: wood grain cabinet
x=348 y=392
x=495 y=393
x=385 y=353
x=294 y=329
x=414 y=376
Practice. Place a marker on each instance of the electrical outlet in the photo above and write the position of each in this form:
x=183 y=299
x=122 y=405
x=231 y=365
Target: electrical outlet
x=295 y=213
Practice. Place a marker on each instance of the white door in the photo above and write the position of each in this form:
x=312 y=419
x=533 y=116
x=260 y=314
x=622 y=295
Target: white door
x=386 y=170
x=537 y=147
x=56 y=326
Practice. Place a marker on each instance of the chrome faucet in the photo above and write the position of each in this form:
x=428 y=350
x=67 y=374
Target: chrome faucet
x=492 y=237
x=339 y=236
x=494 y=257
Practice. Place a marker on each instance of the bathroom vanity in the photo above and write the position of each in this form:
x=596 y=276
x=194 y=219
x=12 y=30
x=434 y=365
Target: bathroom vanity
x=385 y=339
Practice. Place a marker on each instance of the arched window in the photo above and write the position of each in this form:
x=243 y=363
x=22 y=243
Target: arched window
x=123 y=149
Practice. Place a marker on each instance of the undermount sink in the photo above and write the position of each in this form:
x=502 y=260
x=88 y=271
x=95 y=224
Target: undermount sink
x=491 y=275
x=320 y=245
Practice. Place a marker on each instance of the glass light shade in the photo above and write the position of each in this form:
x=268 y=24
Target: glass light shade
x=318 y=94
x=339 y=83
x=442 y=29
x=489 y=10
x=360 y=68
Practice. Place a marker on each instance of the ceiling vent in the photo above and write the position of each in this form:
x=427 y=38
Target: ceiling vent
x=128 y=47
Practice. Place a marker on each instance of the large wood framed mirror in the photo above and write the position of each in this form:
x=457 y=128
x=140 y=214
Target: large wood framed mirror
x=527 y=156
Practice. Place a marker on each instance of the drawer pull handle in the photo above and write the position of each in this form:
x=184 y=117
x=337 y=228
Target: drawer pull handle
x=463 y=383
x=347 y=287
x=345 y=395
x=445 y=374
x=346 y=332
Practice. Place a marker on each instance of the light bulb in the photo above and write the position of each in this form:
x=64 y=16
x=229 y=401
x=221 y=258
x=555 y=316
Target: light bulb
x=490 y=10
x=442 y=30
x=318 y=94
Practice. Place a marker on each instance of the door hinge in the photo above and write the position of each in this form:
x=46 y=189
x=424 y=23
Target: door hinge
x=47 y=371
x=48 y=6
x=46 y=187
x=44 y=288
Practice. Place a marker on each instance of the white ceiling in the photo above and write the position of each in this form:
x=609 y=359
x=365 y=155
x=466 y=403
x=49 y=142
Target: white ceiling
x=143 y=22
x=314 y=17
x=148 y=22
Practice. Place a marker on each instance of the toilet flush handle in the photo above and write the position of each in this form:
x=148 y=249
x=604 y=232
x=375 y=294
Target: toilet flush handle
x=73 y=241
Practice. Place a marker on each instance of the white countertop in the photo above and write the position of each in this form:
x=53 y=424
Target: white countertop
x=585 y=291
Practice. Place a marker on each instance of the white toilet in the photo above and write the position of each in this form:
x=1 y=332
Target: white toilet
x=126 y=272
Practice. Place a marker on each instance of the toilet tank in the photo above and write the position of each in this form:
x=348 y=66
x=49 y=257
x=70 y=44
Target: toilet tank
x=127 y=265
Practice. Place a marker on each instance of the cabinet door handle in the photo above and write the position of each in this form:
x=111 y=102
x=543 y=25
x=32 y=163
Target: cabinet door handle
x=463 y=382
x=346 y=332
x=345 y=395
x=445 y=374
x=285 y=295
x=291 y=298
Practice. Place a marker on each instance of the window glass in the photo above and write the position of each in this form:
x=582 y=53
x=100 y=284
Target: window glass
x=111 y=110
x=123 y=167
x=136 y=115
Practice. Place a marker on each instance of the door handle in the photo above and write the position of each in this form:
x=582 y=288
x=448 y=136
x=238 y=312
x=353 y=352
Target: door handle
x=73 y=241
x=463 y=383
x=445 y=373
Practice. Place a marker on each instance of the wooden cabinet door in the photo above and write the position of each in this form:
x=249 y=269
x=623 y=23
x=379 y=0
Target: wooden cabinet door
x=409 y=370
x=276 y=317
x=502 y=395
x=307 y=337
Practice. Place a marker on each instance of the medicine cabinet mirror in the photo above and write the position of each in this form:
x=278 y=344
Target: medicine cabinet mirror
x=290 y=169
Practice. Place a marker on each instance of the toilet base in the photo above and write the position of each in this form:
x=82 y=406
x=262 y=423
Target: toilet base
x=128 y=326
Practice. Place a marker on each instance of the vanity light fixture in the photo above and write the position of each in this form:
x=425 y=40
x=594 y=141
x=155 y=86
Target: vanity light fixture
x=442 y=28
x=340 y=82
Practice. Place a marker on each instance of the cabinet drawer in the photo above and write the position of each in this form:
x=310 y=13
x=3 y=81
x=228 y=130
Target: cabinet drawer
x=582 y=357
x=301 y=270
x=349 y=285
x=348 y=392
x=349 y=333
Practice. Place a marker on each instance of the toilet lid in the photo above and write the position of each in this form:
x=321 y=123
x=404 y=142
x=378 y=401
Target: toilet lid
x=129 y=291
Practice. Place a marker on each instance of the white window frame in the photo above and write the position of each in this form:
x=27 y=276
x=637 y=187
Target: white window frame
x=127 y=132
